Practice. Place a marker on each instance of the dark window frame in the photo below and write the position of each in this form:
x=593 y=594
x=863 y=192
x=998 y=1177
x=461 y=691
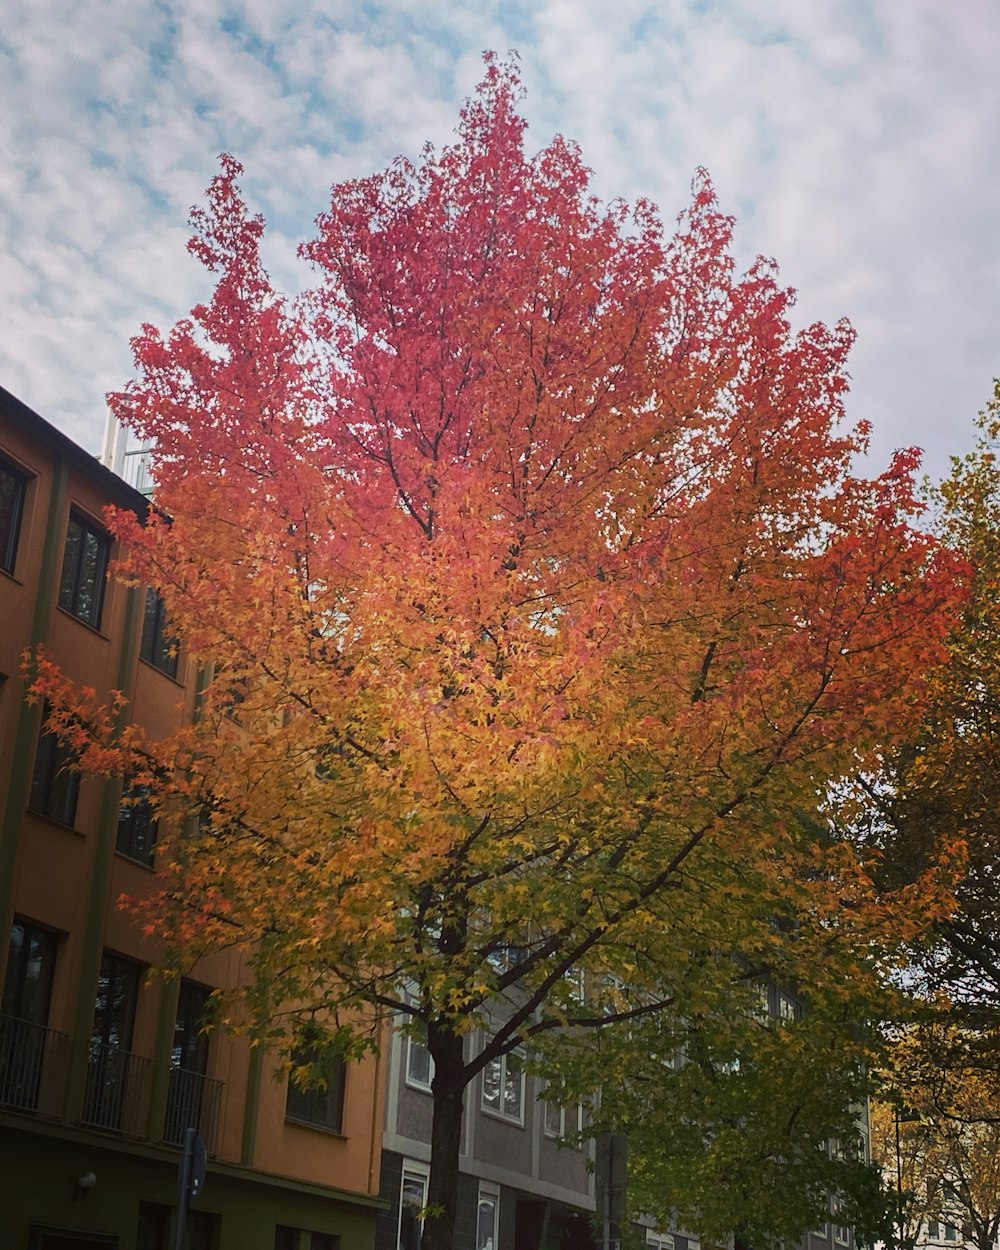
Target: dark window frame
x=55 y=788
x=10 y=518
x=158 y=646
x=37 y=944
x=44 y=1237
x=153 y=1228
x=190 y=1047
x=324 y=1241
x=318 y=1107
x=204 y=1230
x=116 y=1001
x=138 y=827
x=85 y=604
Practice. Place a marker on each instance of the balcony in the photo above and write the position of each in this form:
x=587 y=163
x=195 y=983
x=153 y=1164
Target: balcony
x=193 y=1101
x=117 y=1093
x=33 y=1063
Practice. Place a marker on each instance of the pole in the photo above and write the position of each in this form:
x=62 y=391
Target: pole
x=899 y=1183
x=190 y=1178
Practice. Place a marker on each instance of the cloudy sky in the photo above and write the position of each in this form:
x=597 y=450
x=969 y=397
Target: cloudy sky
x=856 y=141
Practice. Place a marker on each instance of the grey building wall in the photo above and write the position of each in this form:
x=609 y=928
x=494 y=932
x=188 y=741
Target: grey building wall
x=546 y=1193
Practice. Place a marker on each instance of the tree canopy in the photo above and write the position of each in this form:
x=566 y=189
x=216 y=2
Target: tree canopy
x=942 y=780
x=939 y=1137
x=537 y=597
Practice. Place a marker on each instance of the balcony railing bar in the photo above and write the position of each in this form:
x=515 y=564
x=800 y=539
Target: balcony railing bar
x=32 y=1067
x=193 y=1101
x=118 y=1088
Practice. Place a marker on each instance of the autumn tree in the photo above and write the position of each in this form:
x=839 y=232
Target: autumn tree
x=536 y=597
x=899 y=1149
x=943 y=1147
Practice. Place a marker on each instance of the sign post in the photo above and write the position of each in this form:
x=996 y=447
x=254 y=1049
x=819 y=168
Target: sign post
x=190 y=1179
x=610 y=1166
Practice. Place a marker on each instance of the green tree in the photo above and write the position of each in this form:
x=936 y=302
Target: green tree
x=745 y=1108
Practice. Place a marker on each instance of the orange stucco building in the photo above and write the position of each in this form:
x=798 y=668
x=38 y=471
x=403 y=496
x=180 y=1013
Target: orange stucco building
x=103 y=1067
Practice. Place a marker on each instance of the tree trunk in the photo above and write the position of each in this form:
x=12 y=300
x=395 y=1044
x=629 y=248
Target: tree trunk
x=448 y=1089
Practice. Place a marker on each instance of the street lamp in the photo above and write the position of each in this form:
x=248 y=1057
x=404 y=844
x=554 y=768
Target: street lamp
x=904 y=1117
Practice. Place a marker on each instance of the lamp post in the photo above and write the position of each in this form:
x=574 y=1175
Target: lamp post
x=899 y=1185
x=904 y=1117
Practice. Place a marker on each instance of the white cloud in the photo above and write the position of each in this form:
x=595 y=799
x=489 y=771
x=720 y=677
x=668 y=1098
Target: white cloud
x=855 y=142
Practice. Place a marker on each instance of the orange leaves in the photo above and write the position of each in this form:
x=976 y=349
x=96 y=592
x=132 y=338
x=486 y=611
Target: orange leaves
x=95 y=729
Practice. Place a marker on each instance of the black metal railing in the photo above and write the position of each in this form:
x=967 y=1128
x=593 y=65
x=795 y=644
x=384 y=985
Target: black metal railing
x=193 y=1101
x=32 y=1067
x=117 y=1092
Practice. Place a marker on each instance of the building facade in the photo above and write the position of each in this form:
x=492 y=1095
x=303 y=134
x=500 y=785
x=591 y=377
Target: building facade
x=102 y=1066
x=520 y=1186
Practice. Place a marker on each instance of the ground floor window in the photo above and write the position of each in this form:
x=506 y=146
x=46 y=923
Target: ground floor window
x=202 y=1231
x=487 y=1218
x=324 y=1241
x=153 y=1230
x=412 y=1200
x=53 y=1239
x=286 y=1238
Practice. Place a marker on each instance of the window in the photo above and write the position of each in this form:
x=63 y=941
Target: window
x=54 y=786
x=154 y=1226
x=506 y=954
x=286 y=1238
x=202 y=1231
x=12 y=484
x=419 y=1064
x=660 y=1241
x=190 y=1048
x=321 y=1106
x=117 y=995
x=950 y=1232
x=841 y=1234
x=53 y=1239
x=31 y=961
x=27 y=990
x=575 y=982
x=933 y=1230
x=137 y=826
x=158 y=647
x=503 y=1087
x=487 y=1218
x=194 y=1099
x=412 y=1200
x=232 y=694
x=760 y=1001
x=85 y=567
x=108 y=1070
x=788 y=1009
x=562 y=1121
x=324 y=1241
